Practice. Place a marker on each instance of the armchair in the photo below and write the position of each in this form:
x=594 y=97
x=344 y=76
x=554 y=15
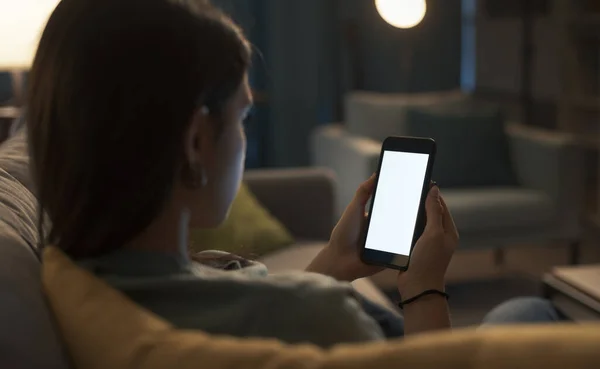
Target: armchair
x=543 y=208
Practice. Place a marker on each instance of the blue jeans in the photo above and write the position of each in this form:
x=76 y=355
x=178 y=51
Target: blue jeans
x=391 y=324
x=524 y=310
x=529 y=310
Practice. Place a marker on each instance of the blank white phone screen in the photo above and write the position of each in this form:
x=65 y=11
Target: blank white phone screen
x=396 y=202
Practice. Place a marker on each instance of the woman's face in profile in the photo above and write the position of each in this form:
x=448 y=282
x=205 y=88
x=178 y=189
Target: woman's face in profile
x=228 y=152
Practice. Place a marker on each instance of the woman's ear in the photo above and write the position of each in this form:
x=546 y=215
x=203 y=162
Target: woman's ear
x=197 y=133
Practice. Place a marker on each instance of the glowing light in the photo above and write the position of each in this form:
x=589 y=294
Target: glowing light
x=21 y=25
x=402 y=13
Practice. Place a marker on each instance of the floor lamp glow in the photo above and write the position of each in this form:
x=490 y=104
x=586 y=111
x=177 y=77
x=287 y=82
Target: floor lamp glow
x=403 y=14
x=21 y=25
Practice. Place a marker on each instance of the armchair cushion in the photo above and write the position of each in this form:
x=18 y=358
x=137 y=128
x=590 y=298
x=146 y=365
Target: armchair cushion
x=472 y=146
x=249 y=231
x=379 y=115
x=303 y=199
x=478 y=210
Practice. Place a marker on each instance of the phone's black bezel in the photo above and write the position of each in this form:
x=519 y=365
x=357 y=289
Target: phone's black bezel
x=401 y=144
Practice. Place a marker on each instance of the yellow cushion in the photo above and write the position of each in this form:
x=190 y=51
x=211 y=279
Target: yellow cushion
x=103 y=329
x=249 y=231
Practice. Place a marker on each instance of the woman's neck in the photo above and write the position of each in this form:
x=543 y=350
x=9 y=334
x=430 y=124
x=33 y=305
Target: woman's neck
x=167 y=233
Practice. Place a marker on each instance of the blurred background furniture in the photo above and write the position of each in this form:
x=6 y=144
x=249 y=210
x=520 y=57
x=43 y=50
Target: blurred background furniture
x=577 y=24
x=8 y=115
x=575 y=291
x=541 y=206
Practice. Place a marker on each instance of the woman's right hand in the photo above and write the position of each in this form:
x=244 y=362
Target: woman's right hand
x=433 y=251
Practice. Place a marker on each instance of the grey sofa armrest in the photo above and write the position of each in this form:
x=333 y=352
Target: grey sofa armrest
x=302 y=199
x=353 y=158
x=29 y=338
x=553 y=163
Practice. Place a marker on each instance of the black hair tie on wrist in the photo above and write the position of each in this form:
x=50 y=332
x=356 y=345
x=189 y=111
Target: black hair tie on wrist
x=401 y=304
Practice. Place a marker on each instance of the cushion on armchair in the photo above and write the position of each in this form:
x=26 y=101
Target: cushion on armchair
x=472 y=146
x=497 y=209
x=379 y=115
x=249 y=230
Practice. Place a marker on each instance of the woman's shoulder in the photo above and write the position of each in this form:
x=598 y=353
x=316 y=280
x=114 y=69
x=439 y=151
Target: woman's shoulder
x=305 y=294
x=329 y=309
x=308 y=291
x=294 y=307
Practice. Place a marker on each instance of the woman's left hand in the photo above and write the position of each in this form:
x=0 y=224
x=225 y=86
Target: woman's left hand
x=341 y=257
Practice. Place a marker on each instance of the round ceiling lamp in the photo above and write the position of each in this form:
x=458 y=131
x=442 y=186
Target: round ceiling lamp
x=402 y=13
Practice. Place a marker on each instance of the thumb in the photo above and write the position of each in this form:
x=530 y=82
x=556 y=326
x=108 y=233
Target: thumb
x=433 y=210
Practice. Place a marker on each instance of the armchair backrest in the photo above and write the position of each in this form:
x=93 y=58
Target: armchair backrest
x=379 y=115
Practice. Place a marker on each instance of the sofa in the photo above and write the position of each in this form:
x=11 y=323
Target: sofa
x=542 y=207
x=302 y=199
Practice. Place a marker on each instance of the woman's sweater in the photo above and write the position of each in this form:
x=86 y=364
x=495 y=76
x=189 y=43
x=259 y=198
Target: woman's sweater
x=238 y=298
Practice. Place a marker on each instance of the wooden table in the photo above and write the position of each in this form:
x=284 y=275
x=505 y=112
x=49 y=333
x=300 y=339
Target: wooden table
x=575 y=291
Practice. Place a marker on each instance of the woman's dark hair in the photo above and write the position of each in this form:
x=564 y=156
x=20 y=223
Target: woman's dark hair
x=112 y=90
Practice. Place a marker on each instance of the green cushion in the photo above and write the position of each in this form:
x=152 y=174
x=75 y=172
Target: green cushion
x=472 y=146
x=249 y=231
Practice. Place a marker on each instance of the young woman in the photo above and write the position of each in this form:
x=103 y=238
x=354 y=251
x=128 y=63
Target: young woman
x=134 y=117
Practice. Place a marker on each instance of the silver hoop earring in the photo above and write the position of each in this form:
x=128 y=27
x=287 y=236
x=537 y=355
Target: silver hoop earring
x=203 y=177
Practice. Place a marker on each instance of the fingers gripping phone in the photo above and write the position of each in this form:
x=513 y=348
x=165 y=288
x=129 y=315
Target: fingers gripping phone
x=396 y=218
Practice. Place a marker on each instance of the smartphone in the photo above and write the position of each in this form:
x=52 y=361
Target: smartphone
x=396 y=217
